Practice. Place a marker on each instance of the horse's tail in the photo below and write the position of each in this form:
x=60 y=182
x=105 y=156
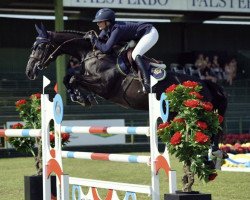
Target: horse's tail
x=220 y=100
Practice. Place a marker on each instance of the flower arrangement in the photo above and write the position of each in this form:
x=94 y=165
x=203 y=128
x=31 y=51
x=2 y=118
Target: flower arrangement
x=236 y=143
x=188 y=134
x=234 y=138
x=30 y=114
x=237 y=148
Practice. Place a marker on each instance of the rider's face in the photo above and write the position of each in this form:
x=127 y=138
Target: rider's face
x=102 y=25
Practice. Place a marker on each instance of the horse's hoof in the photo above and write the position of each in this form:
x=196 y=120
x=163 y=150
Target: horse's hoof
x=225 y=155
x=220 y=154
x=85 y=104
x=210 y=164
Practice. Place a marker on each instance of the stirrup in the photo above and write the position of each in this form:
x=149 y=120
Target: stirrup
x=145 y=88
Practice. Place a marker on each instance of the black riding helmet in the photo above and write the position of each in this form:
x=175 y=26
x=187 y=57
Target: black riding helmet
x=105 y=14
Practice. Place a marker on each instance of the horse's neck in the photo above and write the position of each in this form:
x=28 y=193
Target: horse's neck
x=69 y=43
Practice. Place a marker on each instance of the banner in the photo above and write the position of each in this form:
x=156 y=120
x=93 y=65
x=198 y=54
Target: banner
x=178 y=5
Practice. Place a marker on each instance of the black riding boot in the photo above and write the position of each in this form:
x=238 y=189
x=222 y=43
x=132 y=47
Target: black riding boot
x=145 y=75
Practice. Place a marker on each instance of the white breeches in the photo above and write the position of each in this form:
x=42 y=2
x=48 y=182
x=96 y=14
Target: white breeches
x=145 y=43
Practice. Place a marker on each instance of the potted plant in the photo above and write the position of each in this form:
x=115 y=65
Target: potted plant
x=30 y=114
x=188 y=135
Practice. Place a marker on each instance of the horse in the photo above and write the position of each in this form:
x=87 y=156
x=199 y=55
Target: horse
x=101 y=76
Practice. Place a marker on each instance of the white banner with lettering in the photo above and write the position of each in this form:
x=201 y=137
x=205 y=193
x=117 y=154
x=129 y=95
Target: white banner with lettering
x=184 y=5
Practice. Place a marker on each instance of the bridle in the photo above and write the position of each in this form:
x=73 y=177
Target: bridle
x=42 y=61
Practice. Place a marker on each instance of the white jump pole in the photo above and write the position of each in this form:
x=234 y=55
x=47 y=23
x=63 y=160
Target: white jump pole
x=46 y=117
x=54 y=111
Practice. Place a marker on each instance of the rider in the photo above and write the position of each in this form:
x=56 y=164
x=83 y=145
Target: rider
x=113 y=33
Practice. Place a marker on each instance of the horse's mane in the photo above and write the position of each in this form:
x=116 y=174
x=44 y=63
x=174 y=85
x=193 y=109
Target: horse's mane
x=72 y=31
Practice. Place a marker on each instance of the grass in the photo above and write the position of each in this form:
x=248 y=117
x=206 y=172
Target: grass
x=227 y=186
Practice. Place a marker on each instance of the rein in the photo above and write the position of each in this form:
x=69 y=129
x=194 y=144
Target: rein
x=58 y=48
x=65 y=42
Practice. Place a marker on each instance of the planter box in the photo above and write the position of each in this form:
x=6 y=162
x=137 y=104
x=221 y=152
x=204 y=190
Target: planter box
x=179 y=195
x=33 y=187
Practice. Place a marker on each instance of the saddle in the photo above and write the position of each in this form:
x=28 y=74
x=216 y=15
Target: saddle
x=126 y=65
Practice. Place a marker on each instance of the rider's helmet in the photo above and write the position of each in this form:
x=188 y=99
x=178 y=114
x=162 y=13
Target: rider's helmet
x=105 y=14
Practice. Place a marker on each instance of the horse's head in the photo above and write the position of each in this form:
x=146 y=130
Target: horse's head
x=40 y=56
x=49 y=45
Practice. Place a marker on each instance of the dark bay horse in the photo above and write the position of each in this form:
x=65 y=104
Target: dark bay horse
x=100 y=74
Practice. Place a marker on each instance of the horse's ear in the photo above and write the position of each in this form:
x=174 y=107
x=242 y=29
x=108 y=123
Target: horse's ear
x=39 y=31
x=44 y=31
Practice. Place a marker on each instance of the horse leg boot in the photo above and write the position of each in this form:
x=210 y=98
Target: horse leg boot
x=77 y=97
x=144 y=72
x=83 y=100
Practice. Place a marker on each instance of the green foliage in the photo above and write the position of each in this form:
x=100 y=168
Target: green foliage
x=188 y=135
x=30 y=114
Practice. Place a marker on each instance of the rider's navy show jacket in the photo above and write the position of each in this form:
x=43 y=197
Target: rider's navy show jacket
x=121 y=32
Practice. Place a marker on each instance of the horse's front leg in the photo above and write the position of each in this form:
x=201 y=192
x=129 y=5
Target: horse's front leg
x=78 y=97
x=70 y=82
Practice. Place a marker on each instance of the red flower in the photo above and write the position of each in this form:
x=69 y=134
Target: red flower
x=190 y=84
x=196 y=94
x=212 y=176
x=51 y=137
x=201 y=137
x=65 y=137
x=220 y=119
x=17 y=126
x=202 y=125
x=163 y=125
x=180 y=120
x=191 y=103
x=37 y=95
x=20 y=102
x=176 y=138
x=207 y=106
x=171 y=88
